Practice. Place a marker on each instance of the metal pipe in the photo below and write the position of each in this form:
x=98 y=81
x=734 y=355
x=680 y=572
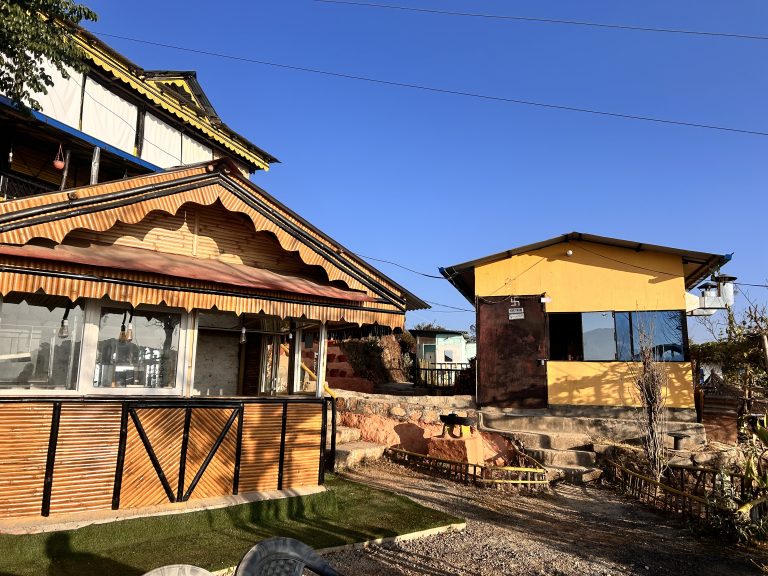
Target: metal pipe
x=95 y=165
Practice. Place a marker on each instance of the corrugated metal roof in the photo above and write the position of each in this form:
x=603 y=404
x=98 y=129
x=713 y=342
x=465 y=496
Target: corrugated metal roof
x=177 y=266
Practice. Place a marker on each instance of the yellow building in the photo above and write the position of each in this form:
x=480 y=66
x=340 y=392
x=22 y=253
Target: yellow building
x=559 y=322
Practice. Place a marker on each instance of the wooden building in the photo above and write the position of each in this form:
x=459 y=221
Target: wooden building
x=151 y=338
x=157 y=307
x=559 y=322
x=112 y=121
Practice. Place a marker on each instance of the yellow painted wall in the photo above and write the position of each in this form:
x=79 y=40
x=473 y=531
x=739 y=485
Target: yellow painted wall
x=595 y=278
x=611 y=384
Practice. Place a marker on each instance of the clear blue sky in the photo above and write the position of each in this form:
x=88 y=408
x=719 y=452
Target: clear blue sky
x=431 y=180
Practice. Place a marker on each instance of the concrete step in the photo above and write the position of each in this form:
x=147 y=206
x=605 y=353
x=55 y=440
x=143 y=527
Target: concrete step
x=549 y=457
x=344 y=434
x=613 y=428
x=351 y=454
x=552 y=440
x=573 y=474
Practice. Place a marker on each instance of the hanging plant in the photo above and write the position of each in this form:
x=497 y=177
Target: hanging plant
x=58 y=162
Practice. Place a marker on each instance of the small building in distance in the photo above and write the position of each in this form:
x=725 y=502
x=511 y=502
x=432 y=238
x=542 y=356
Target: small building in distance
x=559 y=322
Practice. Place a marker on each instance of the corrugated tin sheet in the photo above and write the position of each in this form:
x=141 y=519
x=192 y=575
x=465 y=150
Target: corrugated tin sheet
x=174 y=265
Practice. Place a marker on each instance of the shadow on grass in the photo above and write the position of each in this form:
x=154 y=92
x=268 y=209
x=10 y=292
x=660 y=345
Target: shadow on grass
x=64 y=561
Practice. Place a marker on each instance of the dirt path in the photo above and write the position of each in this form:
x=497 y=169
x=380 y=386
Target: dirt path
x=570 y=531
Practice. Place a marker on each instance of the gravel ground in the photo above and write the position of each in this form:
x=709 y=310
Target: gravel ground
x=570 y=530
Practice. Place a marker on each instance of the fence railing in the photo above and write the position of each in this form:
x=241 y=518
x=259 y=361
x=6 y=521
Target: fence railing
x=530 y=477
x=442 y=375
x=692 y=492
x=15 y=186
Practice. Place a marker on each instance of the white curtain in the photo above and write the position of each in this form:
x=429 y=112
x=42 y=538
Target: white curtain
x=108 y=117
x=162 y=144
x=192 y=151
x=63 y=99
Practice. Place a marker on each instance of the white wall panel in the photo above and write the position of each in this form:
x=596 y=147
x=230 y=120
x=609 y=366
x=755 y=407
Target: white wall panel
x=63 y=99
x=162 y=143
x=192 y=151
x=108 y=117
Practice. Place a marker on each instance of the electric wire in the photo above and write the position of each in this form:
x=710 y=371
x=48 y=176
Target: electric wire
x=547 y=20
x=401 y=266
x=438 y=90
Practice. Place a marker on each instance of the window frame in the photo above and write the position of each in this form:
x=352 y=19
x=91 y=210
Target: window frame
x=631 y=342
x=18 y=391
x=90 y=346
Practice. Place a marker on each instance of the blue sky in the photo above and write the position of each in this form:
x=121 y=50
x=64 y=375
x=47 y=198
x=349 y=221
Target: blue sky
x=430 y=180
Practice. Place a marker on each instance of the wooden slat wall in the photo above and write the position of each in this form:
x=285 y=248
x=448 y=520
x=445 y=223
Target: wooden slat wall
x=204 y=232
x=205 y=427
x=141 y=485
x=24 y=433
x=87 y=451
x=86 y=456
x=261 y=447
x=302 y=445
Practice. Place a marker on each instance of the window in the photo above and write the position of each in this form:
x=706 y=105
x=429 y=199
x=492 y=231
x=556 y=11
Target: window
x=609 y=336
x=137 y=349
x=40 y=341
x=448 y=355
x=599 y=336
x=662 y=330
x=565 y=338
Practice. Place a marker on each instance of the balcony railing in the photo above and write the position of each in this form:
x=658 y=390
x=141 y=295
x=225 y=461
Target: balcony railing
x=14 y=186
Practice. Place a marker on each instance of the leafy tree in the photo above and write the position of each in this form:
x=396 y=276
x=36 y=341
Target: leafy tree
x=429 y=326
x=32 y=32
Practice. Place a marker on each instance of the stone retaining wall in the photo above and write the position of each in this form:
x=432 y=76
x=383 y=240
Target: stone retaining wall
x=410 y=421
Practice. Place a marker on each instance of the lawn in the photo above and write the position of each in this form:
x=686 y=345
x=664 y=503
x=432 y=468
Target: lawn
x=214 y=539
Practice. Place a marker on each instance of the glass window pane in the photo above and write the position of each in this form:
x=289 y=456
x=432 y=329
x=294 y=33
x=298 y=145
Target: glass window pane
x=38 y=347
x=137 y=352
x=623 y=336
x=663 y=331
x=599 y=336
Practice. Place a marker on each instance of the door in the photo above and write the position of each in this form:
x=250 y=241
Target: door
x=511 y=352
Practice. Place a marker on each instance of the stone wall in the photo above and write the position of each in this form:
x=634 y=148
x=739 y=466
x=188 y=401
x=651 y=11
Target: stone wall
x=408 y=422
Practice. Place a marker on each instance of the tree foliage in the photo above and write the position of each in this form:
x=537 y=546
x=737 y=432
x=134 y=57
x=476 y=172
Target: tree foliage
x=33 y=32
x=737 y=348
x=430 y=326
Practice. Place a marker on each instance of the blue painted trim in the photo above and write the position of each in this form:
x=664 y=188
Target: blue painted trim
x=5 y=101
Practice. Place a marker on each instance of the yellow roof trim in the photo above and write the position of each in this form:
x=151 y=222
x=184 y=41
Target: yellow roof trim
x=153 y=93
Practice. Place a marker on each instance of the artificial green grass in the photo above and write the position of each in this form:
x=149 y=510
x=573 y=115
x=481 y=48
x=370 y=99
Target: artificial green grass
x=213 y=539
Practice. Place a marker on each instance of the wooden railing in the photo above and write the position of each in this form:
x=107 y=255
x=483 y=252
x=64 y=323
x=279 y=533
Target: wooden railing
x=499 y=476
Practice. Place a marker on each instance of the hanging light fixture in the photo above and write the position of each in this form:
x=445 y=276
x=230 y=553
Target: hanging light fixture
x=242 y=335
x=129 y=329
x=123 y=337
x=64 y=328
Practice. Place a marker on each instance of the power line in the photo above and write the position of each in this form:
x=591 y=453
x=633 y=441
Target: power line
x=437 y=90
x=547 y=20
x=401 y=266
x=451 y=307
x=752 y=285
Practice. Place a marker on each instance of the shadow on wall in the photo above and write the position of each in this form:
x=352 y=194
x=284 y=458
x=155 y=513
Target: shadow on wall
x=612 y=384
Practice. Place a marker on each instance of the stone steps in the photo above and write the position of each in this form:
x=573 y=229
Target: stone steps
x=344 y=434
x=613 y=428
x=350 y=454
x=549 y=457
x=556 y=441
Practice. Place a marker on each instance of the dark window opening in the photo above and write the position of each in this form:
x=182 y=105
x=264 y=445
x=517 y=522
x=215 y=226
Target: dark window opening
x=565 y=338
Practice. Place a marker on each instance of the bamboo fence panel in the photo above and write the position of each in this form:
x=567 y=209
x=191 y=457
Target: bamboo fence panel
x=205 y=427
x=24 y=436
x=86 y=453
x=259 y=461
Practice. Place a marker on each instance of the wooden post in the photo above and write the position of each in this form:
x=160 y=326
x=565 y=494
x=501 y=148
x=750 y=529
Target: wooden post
x=95 y=165
x=322 y=358
x=764 y=341
x=66 y=171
